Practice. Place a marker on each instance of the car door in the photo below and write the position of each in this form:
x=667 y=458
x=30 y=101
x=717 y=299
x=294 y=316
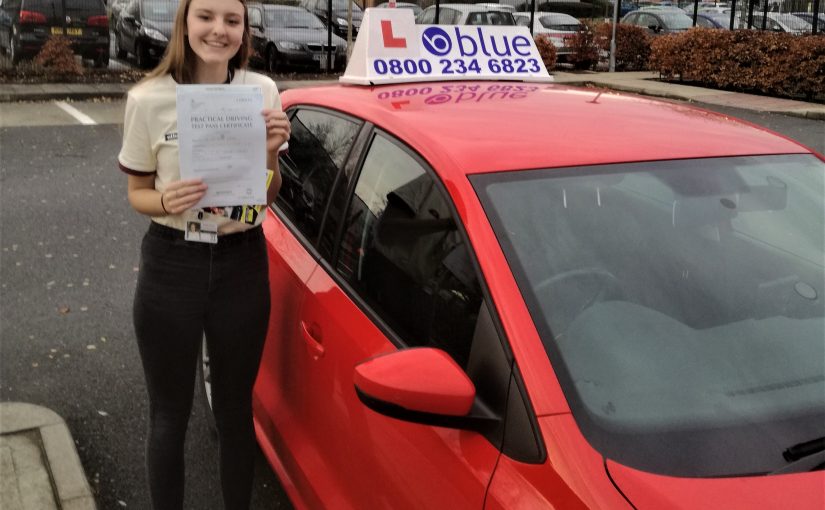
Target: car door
x=319 y=145
x=395 y=272
x=128 y=25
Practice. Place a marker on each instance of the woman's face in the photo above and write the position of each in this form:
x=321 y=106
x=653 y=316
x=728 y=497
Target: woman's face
x=215 y=30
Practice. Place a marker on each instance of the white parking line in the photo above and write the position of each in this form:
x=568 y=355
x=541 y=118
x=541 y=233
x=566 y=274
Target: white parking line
x=77 y=114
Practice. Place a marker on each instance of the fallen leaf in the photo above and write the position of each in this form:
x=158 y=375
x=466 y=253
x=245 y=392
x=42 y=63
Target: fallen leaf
x=63 y=310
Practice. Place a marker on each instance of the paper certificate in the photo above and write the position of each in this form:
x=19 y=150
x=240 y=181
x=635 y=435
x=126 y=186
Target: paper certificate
x=222 y=140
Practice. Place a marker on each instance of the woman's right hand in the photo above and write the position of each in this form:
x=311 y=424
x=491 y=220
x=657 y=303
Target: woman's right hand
x=180 y=196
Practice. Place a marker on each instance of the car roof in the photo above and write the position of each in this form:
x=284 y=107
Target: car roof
x=465 y=8
x=476 y=127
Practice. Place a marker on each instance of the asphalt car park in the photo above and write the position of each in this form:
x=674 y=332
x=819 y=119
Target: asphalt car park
x=469 y=314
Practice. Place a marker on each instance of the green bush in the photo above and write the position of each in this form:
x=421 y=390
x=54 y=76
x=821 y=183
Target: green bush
x=547 y=50
x=778 y=64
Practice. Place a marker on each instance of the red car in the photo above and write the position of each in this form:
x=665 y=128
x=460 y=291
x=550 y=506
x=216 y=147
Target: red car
x=520 y=296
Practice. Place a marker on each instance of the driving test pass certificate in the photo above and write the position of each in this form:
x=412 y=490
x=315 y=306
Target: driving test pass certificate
x=222 y=140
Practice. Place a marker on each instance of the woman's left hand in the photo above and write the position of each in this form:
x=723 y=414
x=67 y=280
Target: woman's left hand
x=277 y=128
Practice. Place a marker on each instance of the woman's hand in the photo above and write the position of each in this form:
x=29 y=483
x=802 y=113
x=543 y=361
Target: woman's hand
x=180 y=196
x=277 y=129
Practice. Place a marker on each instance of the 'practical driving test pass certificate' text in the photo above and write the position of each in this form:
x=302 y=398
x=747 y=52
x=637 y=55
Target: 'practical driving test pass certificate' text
x=222 y=140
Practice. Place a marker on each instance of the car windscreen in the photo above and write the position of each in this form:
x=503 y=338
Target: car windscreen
x=283 y=18
x=341 y=5
x=159 y=10
x=490 y=18
x=676 y=20
x=681 y=303
x=561 y=23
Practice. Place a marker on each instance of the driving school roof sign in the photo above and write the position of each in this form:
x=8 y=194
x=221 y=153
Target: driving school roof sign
x=391 y=48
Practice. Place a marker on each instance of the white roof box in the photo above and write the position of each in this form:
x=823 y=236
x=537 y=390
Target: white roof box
x=391 y=48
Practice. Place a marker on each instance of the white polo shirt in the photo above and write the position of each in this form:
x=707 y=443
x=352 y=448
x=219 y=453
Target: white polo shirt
x=150 y=141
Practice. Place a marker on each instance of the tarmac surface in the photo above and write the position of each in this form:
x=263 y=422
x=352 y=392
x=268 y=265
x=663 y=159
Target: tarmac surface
x=39 y=465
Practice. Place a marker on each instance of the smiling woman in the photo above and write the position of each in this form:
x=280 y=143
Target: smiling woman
x=203 y=272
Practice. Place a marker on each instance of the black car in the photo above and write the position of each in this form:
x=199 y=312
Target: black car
x=25 y=25
x=284 y=36
x=659 y=20
x=144 y=29
x=321 y=9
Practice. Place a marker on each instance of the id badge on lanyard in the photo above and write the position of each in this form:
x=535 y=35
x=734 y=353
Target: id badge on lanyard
x=201 y=231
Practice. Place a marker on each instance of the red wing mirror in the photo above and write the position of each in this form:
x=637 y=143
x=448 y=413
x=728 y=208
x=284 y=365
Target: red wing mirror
x=422 y=380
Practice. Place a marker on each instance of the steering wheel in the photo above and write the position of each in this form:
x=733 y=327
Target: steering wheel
x=565 y=295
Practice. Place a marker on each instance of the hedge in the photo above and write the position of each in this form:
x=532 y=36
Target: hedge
x=778 y=64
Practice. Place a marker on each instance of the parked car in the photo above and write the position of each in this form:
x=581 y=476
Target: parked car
x=144 y=29
x=25 y=25
x=469 y=314
x=809 y=18
x=114 y=8
x=664 y=20
x=339 y=15
x=415 y=8
x=467 y=14
x=560 y=27
x=782 y=23
x=713 y=20
x=284 y=36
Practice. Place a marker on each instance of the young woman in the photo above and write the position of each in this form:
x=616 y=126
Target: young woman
x=188 y=288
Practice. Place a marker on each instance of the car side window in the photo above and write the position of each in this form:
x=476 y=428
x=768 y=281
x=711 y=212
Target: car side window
x=318 y=146
x=704 y=22
x=255 y=17
x=403 y=253
x=133 y=9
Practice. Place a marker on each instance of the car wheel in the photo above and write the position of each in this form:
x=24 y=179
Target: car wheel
x=205 y=377
x=102 y=61
x=272 y=64
x=14 y=47
x=119 y=51
x=142 y=54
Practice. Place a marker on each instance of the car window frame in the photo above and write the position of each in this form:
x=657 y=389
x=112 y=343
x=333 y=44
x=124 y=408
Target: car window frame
x=312 y=245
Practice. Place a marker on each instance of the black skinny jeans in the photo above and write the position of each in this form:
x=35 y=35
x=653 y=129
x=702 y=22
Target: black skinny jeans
x=186 y=289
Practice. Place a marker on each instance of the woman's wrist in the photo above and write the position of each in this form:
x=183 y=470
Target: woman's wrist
x=162 y=205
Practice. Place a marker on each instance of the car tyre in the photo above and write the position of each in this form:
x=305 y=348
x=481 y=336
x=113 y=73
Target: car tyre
x=142 y=54
x=205 y=378
x=119 y=51
x=102 y=61
x=272 y=59
x=14 y=47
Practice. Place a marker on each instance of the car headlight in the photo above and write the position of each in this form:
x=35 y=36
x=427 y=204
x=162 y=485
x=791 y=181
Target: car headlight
x=341 y=21
x=288 y=45
x=154 y=34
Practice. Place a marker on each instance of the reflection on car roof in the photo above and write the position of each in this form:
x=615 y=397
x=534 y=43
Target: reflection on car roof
x=470 y=123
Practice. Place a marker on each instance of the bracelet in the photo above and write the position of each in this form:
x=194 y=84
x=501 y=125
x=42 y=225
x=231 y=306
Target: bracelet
x=163 y=206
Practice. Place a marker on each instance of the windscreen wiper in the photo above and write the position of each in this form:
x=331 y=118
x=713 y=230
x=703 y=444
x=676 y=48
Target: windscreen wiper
x=803 y=457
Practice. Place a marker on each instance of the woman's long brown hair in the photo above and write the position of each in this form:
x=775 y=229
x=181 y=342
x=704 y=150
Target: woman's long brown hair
x=179 y=59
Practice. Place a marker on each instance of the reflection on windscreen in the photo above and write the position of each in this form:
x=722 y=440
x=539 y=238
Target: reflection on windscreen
x=292 y=19
x=681 y=302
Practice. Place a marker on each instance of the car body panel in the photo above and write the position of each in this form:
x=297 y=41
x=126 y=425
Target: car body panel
x=650 y=491
x=330 y=449
x=577 y=479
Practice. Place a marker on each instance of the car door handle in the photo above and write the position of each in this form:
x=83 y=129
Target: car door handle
x=311 y=339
